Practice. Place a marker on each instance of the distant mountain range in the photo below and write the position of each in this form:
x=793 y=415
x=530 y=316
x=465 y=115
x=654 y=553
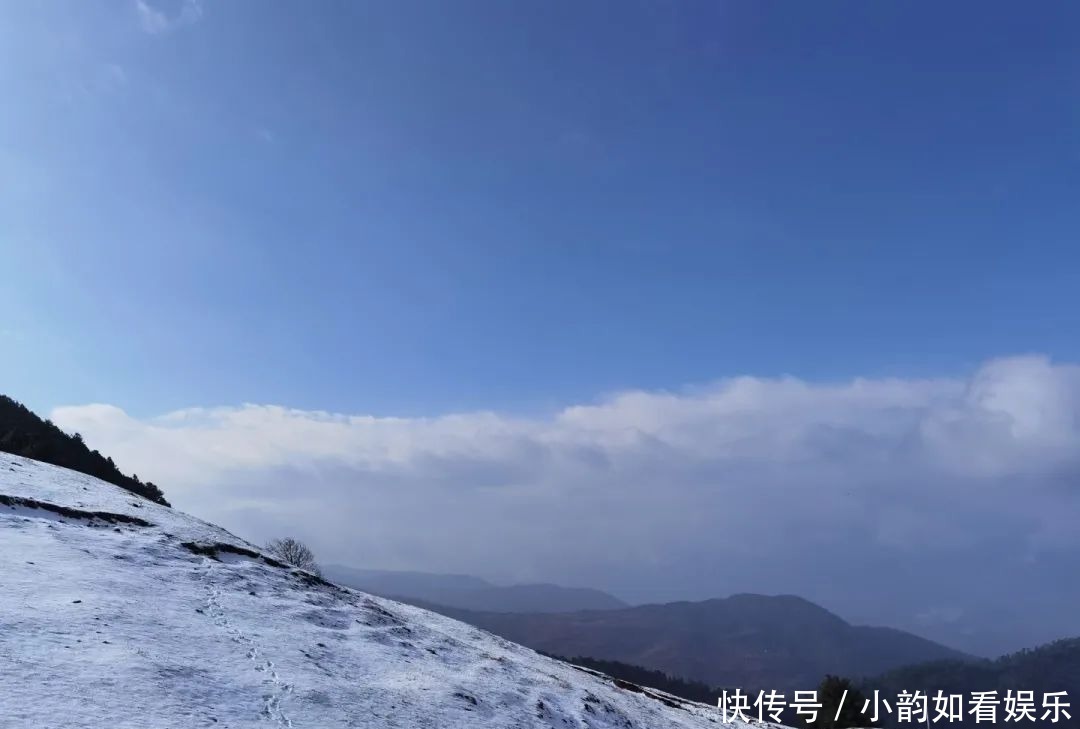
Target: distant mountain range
x=751 y=641
x=472 y=593
x=980 y=624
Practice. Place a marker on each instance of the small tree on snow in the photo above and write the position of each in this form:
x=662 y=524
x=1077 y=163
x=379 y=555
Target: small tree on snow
x=294 y=552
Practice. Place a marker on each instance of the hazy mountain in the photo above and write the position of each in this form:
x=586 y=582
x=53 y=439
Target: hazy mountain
x=782 y=642
x=993 y=631
x=421 y=585
x=472 y=593
x=119 y=613
x=978 y=622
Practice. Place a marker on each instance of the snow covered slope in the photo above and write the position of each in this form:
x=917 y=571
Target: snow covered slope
x=116 y=612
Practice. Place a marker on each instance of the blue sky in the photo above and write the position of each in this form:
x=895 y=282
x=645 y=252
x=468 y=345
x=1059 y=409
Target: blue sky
x=671 y=299
x=408 y=208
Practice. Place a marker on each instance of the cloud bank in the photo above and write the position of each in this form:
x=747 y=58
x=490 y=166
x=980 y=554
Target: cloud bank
x=870 y=494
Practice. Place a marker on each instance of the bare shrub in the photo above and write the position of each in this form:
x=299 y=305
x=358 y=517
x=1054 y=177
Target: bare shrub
x=294 y=552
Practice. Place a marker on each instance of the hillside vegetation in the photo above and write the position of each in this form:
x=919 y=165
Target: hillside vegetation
x=23 y=433
x=1051 y=667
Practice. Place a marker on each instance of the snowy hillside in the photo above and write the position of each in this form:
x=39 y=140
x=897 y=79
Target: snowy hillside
x=116 y=612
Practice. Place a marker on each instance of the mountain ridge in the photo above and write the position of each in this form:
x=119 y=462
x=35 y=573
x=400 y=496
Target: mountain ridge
x=467 y=592
x=747 y=640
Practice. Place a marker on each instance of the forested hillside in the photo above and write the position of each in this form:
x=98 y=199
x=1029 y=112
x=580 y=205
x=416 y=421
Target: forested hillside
x=691 y=690
x=23 y=433
x=1051 y=667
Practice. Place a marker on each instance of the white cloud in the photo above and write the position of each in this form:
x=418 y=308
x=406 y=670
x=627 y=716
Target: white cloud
x=154 y=19
x=752 y=483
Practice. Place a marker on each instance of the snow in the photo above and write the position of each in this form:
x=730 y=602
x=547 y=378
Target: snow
x=114 y=622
